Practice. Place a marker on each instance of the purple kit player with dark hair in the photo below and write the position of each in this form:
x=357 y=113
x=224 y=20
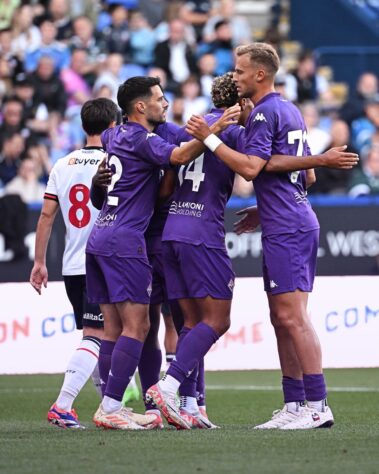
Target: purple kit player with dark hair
x=290 y=228
x=197 y=268
x=118 y=271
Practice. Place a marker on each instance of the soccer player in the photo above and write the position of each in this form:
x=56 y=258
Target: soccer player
x=290 y=229
x=68 y=189
x=197 y=268
x=118 y=271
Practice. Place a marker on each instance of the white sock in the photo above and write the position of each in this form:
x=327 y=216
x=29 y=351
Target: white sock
x=319 y=405
x=96 y=380
x=294 y=407
x=133 y=383
x=169 y=384
x=189 y=404
x=110 y=405
x=78 y=371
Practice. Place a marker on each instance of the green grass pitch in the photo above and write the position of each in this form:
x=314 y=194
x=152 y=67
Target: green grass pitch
x=235 y=400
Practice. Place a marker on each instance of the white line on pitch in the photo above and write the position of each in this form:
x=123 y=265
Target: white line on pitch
x=275 y=388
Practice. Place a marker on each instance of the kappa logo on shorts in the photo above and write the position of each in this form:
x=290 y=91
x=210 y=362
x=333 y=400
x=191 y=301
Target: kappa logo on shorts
x=231 y=285
x=273 y=284
x=149 y=289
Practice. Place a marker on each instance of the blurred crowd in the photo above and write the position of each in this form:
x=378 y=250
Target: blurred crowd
x=56 y=54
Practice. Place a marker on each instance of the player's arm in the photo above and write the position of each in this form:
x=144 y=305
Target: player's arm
x=39 y=274
x=249 y=220
x=336 y=158
x=166 y=186
x=100 y=181
x=192 y=149
x=248 y=166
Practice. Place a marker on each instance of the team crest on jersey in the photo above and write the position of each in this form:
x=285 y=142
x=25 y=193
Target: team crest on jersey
x=259 y=118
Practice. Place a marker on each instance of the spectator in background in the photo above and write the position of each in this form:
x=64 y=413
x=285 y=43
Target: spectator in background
x=241 y=31
x=110 y=75
x=309 y=85
x=25 y=34
x=114 y=37
x=7 y=9
x=317 y=138
x=367 y=86
x=193 y=101
x=153 y=10
x=141 y=41
x=58 y=52
x=158 y=72
x=330 y=181
x=365 y=181
x=14 y=65
x=177 y=111
x=26 y=183
x=60 y=13
x=48 y=87
x=74 y=82
x=363 y=128
x=197 y=13
x=13 y=118
x=84 y=38
x=221 y=47
x=175 y=56
x=11 y=152
x=206 y=65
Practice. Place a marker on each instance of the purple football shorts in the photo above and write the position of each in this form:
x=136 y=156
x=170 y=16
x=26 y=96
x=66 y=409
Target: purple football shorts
x=116 y=279
x=158 y=293
x=289 y=261
x=196 y=271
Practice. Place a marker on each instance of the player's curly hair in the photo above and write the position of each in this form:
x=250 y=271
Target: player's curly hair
x=224 y=91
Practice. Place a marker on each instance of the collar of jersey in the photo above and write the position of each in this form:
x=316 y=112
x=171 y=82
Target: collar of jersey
x=267 y=97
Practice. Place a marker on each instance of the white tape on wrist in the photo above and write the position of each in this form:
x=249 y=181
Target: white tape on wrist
x=212 y=142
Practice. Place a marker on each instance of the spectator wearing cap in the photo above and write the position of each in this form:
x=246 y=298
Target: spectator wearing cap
x=363 y=128
x=221 y=47
x=57 y=51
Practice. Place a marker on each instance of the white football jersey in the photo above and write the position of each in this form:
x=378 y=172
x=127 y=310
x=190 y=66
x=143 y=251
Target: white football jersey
x=69 y=184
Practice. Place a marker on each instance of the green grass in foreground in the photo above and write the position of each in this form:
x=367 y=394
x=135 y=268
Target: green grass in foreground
x=28 y=444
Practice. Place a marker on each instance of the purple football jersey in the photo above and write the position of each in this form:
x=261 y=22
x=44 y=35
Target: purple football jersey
x=276 y=127
x=135 y=155
x=196 y=213
x=169 y=132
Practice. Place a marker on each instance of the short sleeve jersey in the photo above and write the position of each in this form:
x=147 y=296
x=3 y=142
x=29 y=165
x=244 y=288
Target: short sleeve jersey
x=135 y=156
x=196 y=214
x=276 y=126
x=69 y=184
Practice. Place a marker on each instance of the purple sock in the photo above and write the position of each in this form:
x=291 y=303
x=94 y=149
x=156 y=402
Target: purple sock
x=149 y=368
x=193 y=348
x=125 y=358
x=315 y=388
x=200 y=385
x=188 y=387
x=293 y=390
x=105 y=357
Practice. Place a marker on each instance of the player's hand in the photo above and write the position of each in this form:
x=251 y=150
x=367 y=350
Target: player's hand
x=103 y=175
x=38 y=277
x=339 y=158
x=198 y=127
x=249 y=222
x=230 y=116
